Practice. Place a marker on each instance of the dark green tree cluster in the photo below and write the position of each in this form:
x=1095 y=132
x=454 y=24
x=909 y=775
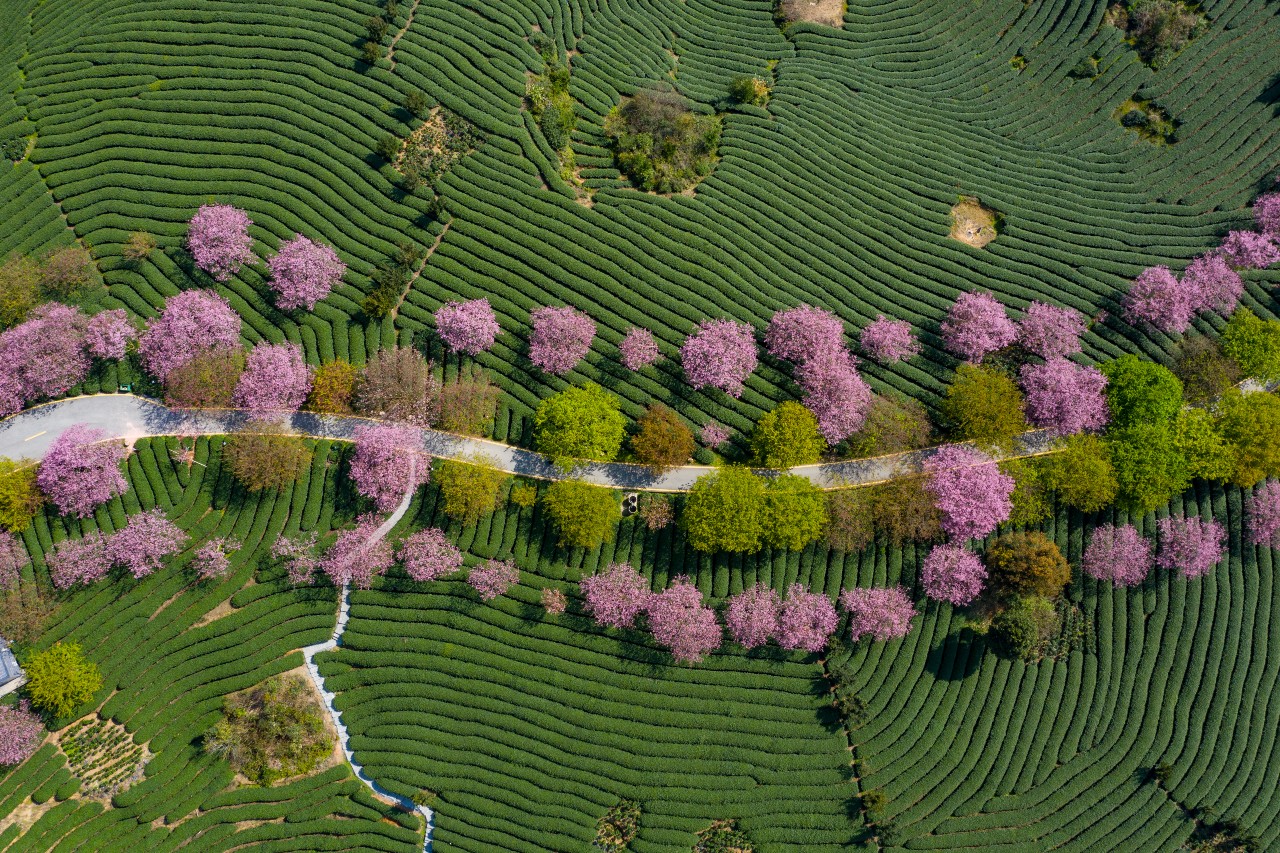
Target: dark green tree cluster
x=660 y=143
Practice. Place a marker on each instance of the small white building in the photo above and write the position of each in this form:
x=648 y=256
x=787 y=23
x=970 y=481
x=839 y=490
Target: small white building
x=11 y=675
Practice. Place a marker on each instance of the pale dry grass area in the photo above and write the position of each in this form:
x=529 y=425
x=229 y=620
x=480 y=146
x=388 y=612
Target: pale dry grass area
x=972 y=223
x=829 y=13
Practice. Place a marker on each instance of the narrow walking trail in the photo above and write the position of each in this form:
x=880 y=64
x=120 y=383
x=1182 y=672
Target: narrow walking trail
x=28 y=434
x=334 y=641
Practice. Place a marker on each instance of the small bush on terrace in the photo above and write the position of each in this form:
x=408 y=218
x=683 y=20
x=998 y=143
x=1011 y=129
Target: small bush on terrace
x=468 y=403
x=723 y=836
x=616 y=829
x=1149 y=120
x=660 y=143
x=750 y=90
x=550 y=103
x=1025 y=627
x=1157 y=29
x=271 y=731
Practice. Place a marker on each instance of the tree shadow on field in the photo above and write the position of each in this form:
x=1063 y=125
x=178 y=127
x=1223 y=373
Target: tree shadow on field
x=957 y=657
x=1270 y=96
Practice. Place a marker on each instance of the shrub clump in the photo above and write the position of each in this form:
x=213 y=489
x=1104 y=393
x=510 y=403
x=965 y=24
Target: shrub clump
x=1157 y=29
x=660 y=143
x=271 y=731
x=618 y=826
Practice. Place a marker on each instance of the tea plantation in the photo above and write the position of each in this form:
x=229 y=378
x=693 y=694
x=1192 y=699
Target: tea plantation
x=1150 y=723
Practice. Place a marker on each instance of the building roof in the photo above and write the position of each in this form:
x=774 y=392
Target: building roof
x=9 y=669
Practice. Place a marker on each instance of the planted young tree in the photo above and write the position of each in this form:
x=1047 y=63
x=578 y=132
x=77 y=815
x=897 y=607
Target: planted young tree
x=20 y=733
x=468 y=402
x=1157 y=297
x=1141 y=392
x=207 y=381
x=66 y=270
x=141 y=545
x=471 y=487
x=835 y=393
x=387 y=462
x=681 y=622
x=663 y=441
x=1149 y=466
x=1022 y=629
x=585 y=515
x=798 y=334
x=397 y=384
x=19 y=288
x=953 y=574
x=20 y=500
x=263 y=459
x=428 y=555
x=1254 y=345
x=303 y=272
x=275 y=380
x=554 y=601
x=1204 y=370
x=194 y=322
x=977 y=325
x=219 y=240
x=333 y=388
x=786 y=437
x=1050 y=330
x=60 y=678
x=984 y=406
x=1027 y=563
x=107 y=334
x=1082 y=474
x=493 y=578
x=1119 y=554
x=1262 y=509
x=81 y=471
x=806 y=620
x=1065 y=397
x=638 y=348
x=655 y=511
x=138 y=247
x=881 y=614
x=469 y=327
x=271 y=731
x=970 y=491
x=13 y=559
x=720 y=354
x=725 y=511
x=1192 y=545
x=616 y=596
x=212 y=559
x=559 y=339
x=752 y=616
x=795 y=512
x=888 y=341
x=579 y=423
x=44 y=356
x=713 y=435
x=358 y=555
x=298 y=556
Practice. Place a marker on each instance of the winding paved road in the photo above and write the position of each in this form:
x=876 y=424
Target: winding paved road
x=29 y=433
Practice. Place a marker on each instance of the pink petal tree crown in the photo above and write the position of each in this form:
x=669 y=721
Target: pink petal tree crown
x=681 y=622
x=953 y=574
x=561 y=337
x=1064 y=396
x=13 y=559
x=388 y=461
x=1157 y=297
x=1051 y=330
x=469 y=327
x=81 y=471
x=882 y=614
x=806 y=620
x=720 y=354
x=752 y=615
x=835 y=393
x=887 y=341
x=639 y=348
x=303 y=272
x=44 y=356
x=1250 y=250
x=1117 y=554
x=969 y=489
x=977 y=325
x=21 y=732
x=1212 y=284
x=800 y=333
x=79 y=561
x=714 y=435
x=1266 y=214
x=616 y=596
x=554 y=601
x=428 y=555
x=141 y=545
x=193 y=323
x=358 y=555
x=298 y=555
x=219 y=240
x=276 y=379
x=1262 y=509
x=107 y=334
x=493 y=578
x=212 y=559
x=1191 y=544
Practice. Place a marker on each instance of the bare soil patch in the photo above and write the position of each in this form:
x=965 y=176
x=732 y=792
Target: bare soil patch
x=972 y=223
x=829 y=13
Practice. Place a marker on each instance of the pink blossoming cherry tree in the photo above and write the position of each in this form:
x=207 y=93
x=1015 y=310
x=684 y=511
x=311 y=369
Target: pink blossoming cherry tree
x=720 y=354
x=1262 y=509
x=20 y=733
x=835 y=393
x=1065 y=397
x=800 y=333
x=468 y=327
x=428 y=555
x=806 y=620
x=193 y=323
x=1191 y=544
x=219 y=240
x=141 y=545
x=969 y=489
x=752 y=615
x=108 y=334
x=560 y=338
x=1117 y=554
x=887 y=341
x=303 y=272
x=493 y=578
x=1050 y=330
x=977 y=325
x=953 y=574
x=388 y=460
x=638 y=348
x=81 y=471
x=681 y=622
x=616 y=596
x=275 y=380
x=881 y=614
x=358 y=555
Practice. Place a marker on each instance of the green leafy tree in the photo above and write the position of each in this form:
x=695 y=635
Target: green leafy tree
x=1027 y=563
x=471 y=487
x=1204 y=370
x=1149 y=466
x=1082 y=474
x=60 y=678
x=1209 y=455
x=786 y=437
x=725 y=511
x=1030 y=492
x=579 y=423
x=795 y=512
x=1253 y=344
x=1021 y=630
x=1250 y=425
x=1141 y=392
x=904 y=511
x=984 y=406
x=892 y=426
x=584 y=514
x=663 y=441
x=750 y=90
x=20 y=500
x=19 y=288
x=271 y=731
x=850 y=519
x=262 y=460
x=333 y=387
